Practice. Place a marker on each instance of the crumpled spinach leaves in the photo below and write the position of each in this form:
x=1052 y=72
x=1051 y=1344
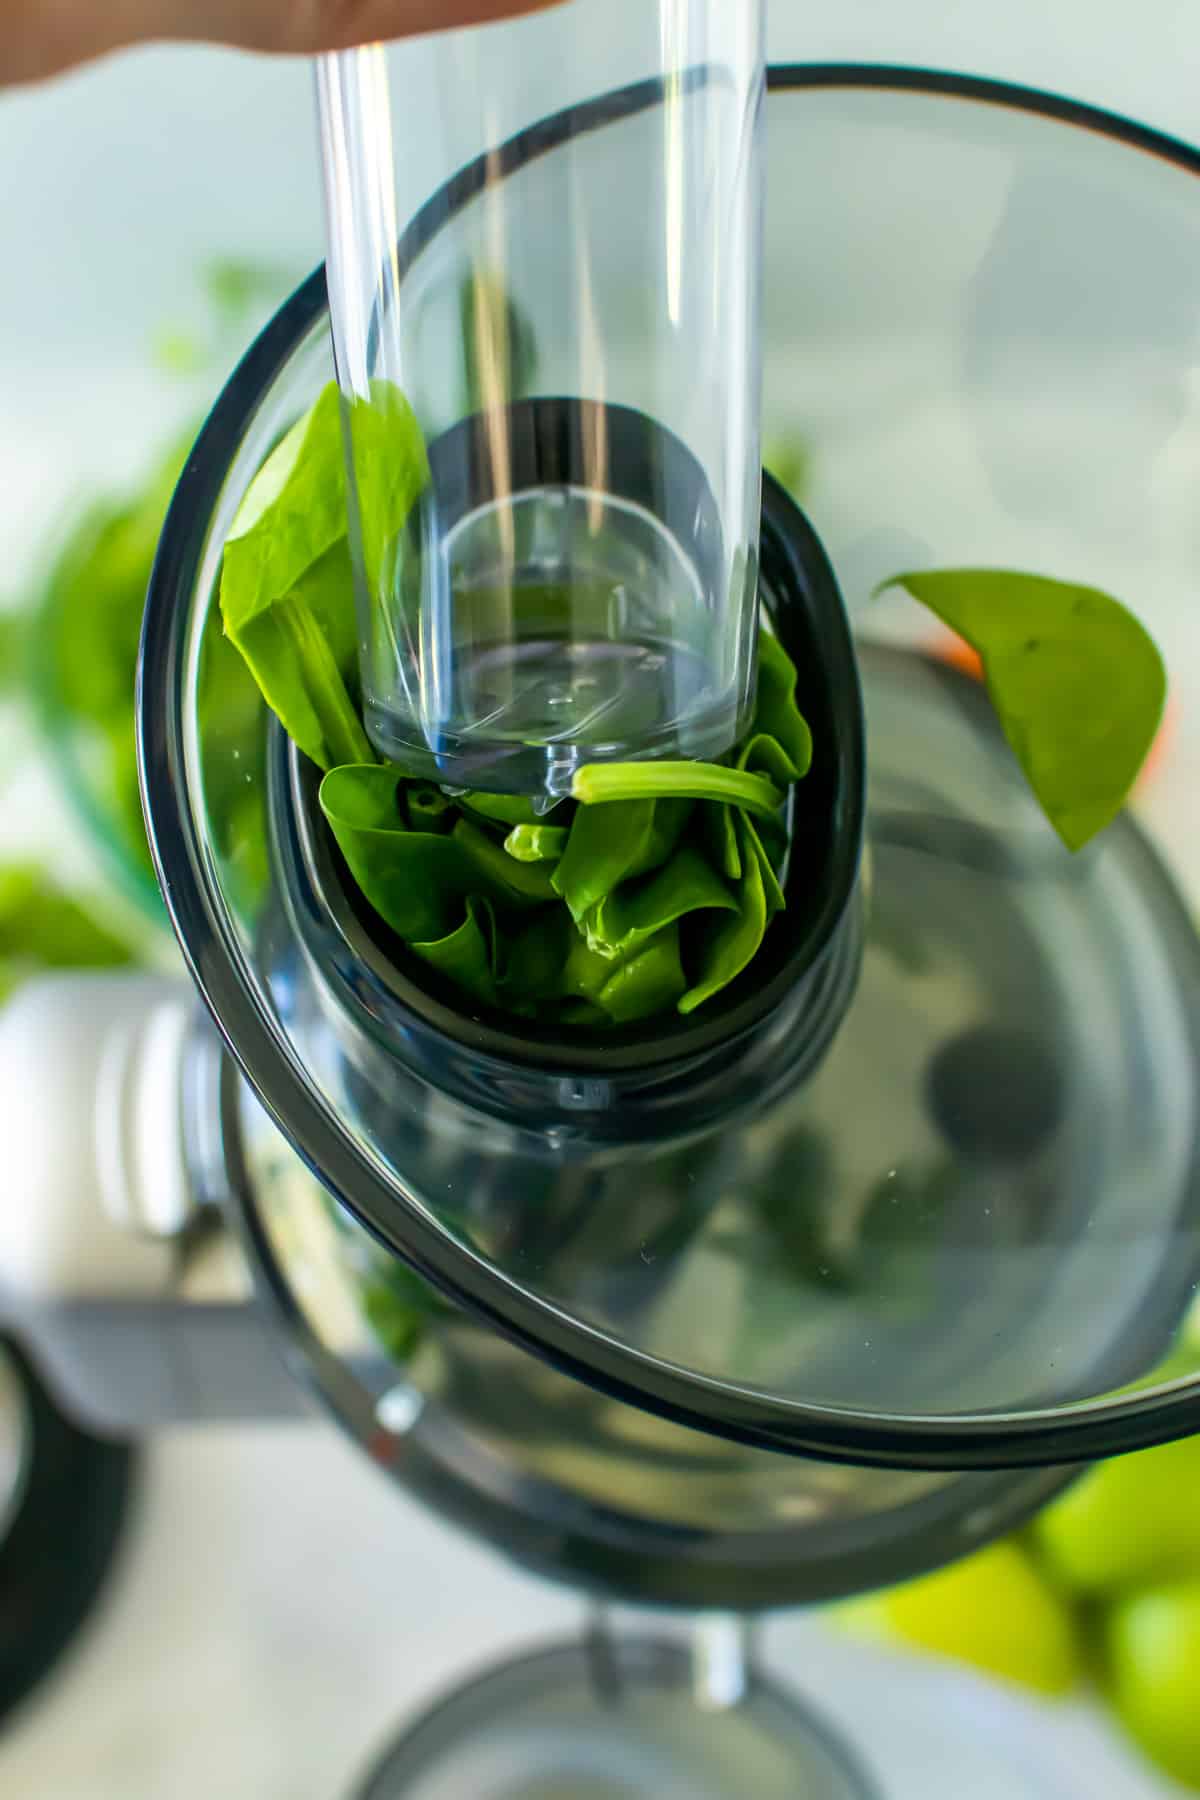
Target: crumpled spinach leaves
x=467 y=955
x=1077 y=683
x=287 y=583
x=417 y=881
x=626 y=919
x=650 y=888
x=731 y=944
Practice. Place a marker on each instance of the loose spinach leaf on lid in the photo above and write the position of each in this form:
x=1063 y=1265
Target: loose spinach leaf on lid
x=1077 y=683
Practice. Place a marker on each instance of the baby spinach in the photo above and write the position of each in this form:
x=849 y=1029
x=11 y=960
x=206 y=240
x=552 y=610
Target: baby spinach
x=502 y=809
x=42 y=927
x=597 y=857
x=635 y=912
x=287 y=585
x=466 y=955
x=1077 y=683
x=537 y=843
x=731 y=944
x=776 y=714
x=287 y=594
x=648 y=982
x=508 y=881
x=417 y=881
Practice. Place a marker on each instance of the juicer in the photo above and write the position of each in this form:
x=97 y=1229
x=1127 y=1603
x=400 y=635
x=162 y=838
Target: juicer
x=833 y=1283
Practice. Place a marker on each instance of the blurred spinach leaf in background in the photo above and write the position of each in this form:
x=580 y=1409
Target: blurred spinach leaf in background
x=41 y=927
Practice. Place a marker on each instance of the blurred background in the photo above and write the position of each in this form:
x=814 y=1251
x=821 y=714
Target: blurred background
x=276 y=1609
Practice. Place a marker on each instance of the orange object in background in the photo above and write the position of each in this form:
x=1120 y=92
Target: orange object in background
x=952 y=649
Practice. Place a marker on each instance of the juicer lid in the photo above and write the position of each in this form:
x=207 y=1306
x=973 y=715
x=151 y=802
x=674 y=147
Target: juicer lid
x=1084 y=973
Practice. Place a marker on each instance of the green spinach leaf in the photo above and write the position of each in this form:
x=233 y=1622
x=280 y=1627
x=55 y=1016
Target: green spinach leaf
x=287 y=591
x=509 y=882
x=649 y=982
x=537 y=843
x=502 y=809
x=776 y=714
x=718 y=833
x=732 y=943
x=597 y=857
x=1077 y=683
x=634 y=913
x=466 y=955
x=417 y=881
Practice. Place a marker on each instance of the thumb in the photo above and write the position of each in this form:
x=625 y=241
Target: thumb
x=43 y=37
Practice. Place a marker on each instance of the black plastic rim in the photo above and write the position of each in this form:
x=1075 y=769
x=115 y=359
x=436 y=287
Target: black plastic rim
x=272 y=1068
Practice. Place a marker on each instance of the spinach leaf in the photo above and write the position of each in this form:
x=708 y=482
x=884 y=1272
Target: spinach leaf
x=1077 y=683
x=732 y=943
x=598 y=784
x=668 y=825
x=719 y=835
x=627 y=918
x=536 y=843
x=773 y=893
x=466 y=955
x=532 y=966
x=508 y=881
x=293 y=512
x=598 y=856
x=390 y=471
x=14 y=641
x=41 y=927
x=648 y=982
x=287 y=592
x=287 y=585
x=585 y=971
x=776 y=713
x=427 y=808
x=765 y=755
x=417 y=881
x=502 y=809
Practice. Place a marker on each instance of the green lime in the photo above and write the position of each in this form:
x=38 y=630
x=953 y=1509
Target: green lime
x=1127 y=1522
x=994 y=1610
x=1152 y=1644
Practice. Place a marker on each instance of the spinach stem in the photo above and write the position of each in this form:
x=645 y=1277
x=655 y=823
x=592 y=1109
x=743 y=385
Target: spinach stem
x=602 y=783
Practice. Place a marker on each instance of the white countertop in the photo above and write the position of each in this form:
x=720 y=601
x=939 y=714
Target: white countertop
x=280 y=1611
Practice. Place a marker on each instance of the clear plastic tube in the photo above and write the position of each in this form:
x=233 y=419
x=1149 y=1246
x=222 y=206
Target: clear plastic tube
x=552 y=400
